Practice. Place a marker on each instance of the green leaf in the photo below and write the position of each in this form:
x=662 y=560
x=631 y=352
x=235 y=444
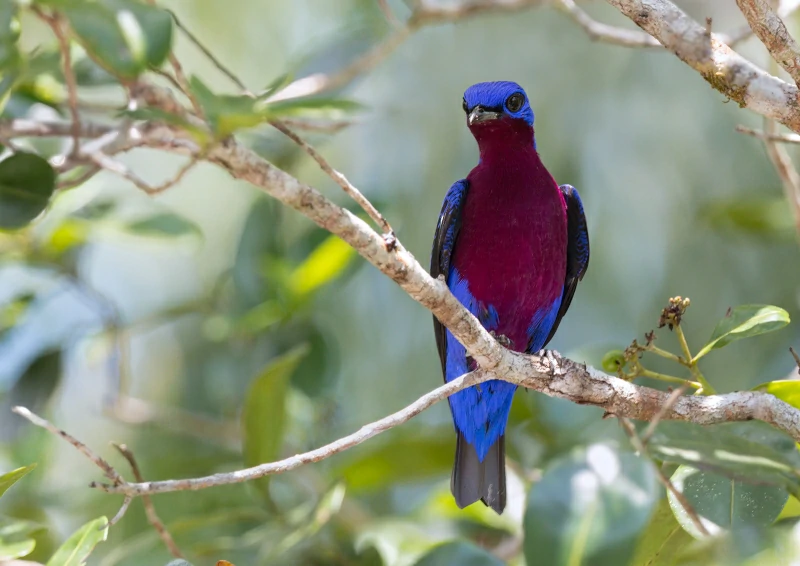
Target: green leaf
x=461 y=553
x=745 y=321
x=13 y=550
x=323 y=265
x=751 y=452
x=26 y=183
x=391 y=462
x=747 y=546
x=125 y=36
x=723 y=503
x=10 y=478
x=276 y=86
x=264 y=413
x=15 y=538
x=227 y=113
x=663 y=540
x=589 y=508
x=312 y=108
x=158 y=115
x=80 y=545
x=69 y=234
x=9 y=34
x=164 y=224
x=787 y=390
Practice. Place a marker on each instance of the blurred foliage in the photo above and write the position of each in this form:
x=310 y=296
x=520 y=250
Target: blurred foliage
x=211 y=329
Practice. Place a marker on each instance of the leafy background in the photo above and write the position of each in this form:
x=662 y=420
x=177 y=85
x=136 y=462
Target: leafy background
x=208 y=328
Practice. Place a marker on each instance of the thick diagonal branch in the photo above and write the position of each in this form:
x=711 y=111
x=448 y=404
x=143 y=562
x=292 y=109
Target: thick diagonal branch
x=770 y=29
x=723 y=68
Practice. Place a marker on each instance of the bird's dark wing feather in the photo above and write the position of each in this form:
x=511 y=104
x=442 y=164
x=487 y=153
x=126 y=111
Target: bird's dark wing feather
x=577 y=251
x=444 y=240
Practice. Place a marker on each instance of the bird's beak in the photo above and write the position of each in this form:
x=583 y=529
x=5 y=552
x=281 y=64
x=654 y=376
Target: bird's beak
x=480 y=114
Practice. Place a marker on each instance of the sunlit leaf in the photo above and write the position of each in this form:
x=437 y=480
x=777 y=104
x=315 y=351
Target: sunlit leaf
x=745 y=546
x=663 y=539
x=745 y=321
x=10 y=478
x=751 y=452
x=18 y=549
x=15 y=538
x=165 y=225
x=26 y=183
x=723 y=503
x=409 y=456
x=325 y=263
x=787 y=390
x=276 y=85
x=589 y=508
x=70 y=233
x=461 y=553
x=80 y=545
x=331 y=108
x=264 y=412
x=126 y=36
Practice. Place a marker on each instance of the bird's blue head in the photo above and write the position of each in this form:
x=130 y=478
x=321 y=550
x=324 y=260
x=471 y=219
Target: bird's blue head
x=485 y=103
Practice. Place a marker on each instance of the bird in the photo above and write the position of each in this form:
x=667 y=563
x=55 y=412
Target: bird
x=511 y=245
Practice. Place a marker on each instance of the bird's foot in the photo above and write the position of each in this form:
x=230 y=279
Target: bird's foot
x=550 y=358
x=502 y=339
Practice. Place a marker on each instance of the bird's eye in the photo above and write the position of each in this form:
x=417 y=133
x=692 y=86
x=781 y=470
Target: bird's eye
x=514 y=102
x=464 y=105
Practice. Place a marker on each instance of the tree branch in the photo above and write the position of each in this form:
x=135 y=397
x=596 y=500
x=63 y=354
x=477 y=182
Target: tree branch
x=599 y=31
x=772 y=32
x=724 y=69
x=558 y=377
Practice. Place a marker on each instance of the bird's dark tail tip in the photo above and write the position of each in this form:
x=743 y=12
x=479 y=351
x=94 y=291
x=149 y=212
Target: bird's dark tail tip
x=473 y=480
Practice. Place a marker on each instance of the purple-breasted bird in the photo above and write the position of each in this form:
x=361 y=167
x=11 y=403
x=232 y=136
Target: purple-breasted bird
x=512 y=246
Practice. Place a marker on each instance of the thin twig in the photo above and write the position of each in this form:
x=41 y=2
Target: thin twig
x=668 y=404
x=340 y=179
x=149 y=508
x=108 y=470
x=640 y=447
x=790 y=179
x=106 y=162
x=603 y=32
x=780 y=138
x=180 y=77
x=209 y=55
x=54 y=22
x=389 y=14
x=122 y=510
x=796 y=358
x=89 y=172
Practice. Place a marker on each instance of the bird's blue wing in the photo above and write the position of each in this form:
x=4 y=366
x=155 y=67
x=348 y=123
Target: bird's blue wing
x=577 y=252
x=444 y=241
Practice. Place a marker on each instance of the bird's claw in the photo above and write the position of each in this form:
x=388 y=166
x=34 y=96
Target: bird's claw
x=502 y=339
x=552 y=358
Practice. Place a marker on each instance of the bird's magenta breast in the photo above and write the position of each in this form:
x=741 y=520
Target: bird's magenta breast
x=511 y=248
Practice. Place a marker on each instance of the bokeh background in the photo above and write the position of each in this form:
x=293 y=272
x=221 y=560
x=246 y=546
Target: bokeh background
x=153 y=338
